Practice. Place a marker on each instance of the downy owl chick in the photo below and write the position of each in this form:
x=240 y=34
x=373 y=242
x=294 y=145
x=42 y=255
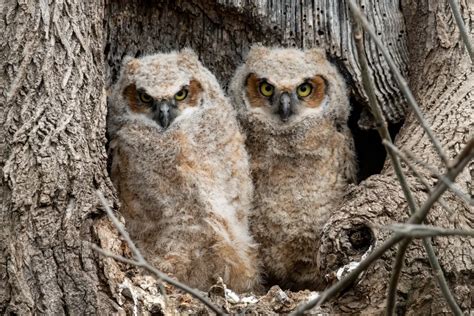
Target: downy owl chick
x=294 y=108
x=181 y=171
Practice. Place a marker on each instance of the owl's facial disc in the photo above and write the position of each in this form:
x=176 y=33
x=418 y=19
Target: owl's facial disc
x=163 y=109
x=164 y=112
x=285 y=100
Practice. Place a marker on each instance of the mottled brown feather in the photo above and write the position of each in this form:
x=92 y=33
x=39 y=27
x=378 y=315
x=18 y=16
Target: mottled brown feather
x=195 y=90
x=256 y=99
x=130 y=94
x=318 y=93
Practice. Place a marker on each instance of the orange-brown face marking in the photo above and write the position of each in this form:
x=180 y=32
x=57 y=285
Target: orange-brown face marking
x=317 y=95
x=256 y=99
x=130 y=93
x=195 y=90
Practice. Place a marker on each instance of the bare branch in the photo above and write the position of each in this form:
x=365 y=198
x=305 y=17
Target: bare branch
x=420 y=231
x=416 y=173
x=460 y=163
x=462 y=27
x=112 y=255
x=120 y=228
x=385 y=135
x=400 y=80
x=377 y=112
x=428 y=246
x=395 y=276
x=433 y=172
x=439 y=275
x=142 y=263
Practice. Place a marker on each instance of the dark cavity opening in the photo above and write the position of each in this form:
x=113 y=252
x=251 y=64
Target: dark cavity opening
x=370 y=151
x=361 y=238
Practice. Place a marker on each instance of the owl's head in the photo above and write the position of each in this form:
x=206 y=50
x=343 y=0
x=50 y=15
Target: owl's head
x=283 y=87
x=163 y=88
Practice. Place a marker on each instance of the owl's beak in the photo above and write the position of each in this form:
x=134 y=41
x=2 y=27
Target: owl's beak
x=284 y=109
x=162 y=114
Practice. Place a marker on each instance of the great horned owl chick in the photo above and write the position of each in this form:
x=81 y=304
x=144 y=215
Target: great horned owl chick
x=294 y=108
x=181 y=171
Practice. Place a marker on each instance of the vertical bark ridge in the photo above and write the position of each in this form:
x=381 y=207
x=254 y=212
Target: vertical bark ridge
x=53 y=155
x=293 y=23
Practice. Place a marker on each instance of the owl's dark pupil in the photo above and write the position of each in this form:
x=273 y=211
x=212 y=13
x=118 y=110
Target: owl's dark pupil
x=267 y=88
x=303 y=88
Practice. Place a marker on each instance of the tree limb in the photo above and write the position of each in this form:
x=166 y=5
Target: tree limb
x=400 y=80
x=420 y=231
x=385 y=135
x=457 y=167
x=462 y=28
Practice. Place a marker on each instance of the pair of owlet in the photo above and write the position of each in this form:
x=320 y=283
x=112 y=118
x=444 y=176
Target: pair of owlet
x=294 y=108
x=181 y=171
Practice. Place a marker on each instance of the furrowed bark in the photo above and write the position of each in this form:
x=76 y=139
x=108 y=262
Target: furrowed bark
x=441 y=78
x=52 y=156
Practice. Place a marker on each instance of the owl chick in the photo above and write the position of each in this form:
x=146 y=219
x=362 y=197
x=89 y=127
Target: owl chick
x=294 y=108
x=181 y=171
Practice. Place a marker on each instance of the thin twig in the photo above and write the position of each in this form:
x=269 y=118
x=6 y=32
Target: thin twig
x=437 y=271
x=439 y=275
x=142 y=263
x=400 y=80
x=395 y=276
x=385 y=135
x=369 y=88
x=377 y=112
x=121 y=229
x=114 y=256
x=460 y=163
x=109 y=254
x=462 y=27
x=416 y=173
x=420 y=231
x=433 y=172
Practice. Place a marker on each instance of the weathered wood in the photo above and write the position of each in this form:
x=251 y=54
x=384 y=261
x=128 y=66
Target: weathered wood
x=443 y=85
x=222 y=32
x=52 y=156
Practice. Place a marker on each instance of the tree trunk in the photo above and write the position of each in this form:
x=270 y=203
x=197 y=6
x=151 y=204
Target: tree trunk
x=59 y=57
x=52 y=155
x=441 y=76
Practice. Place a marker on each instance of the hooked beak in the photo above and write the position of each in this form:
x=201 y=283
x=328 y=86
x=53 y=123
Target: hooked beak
x=284 y=109
x=162 y=114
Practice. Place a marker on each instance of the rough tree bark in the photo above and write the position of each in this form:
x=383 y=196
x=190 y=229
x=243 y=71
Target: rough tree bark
x=441 y=76
x=58 y=58
x=52 y=155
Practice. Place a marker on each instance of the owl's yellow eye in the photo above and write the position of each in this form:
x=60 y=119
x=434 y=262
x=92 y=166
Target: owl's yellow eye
x=304 y=90
x=266 y=89
x=181 y=95
x=145 y=98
